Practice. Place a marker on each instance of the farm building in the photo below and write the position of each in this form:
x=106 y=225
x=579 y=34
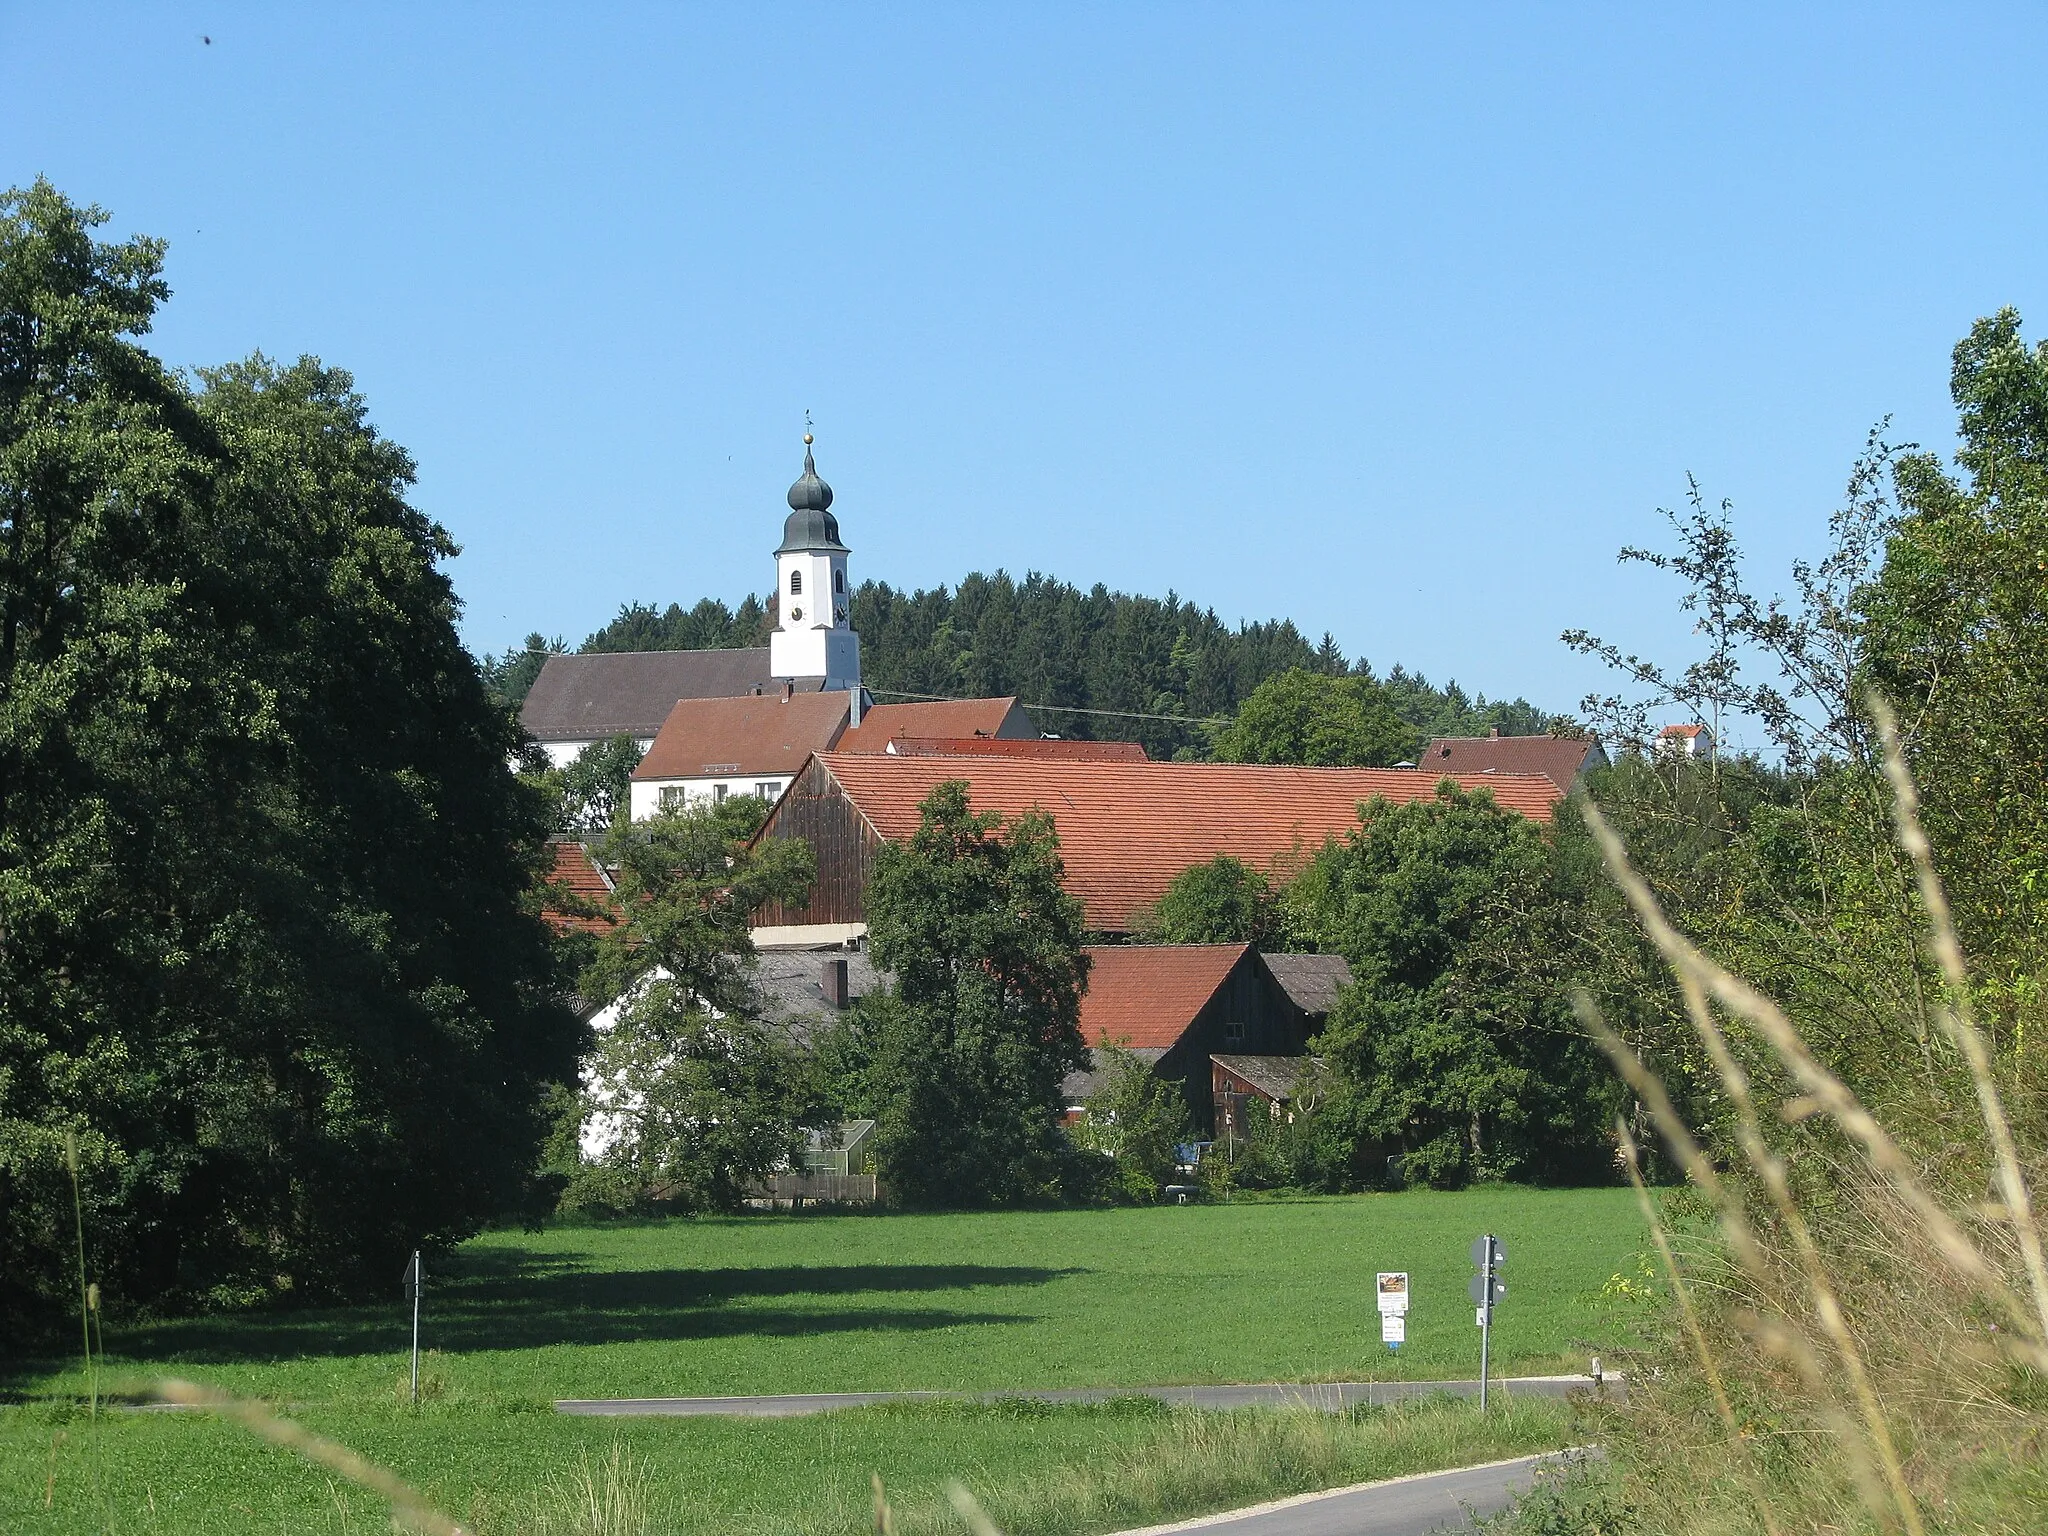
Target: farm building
x=1176 y=1006
x=1562 y=760
x=1126 y=828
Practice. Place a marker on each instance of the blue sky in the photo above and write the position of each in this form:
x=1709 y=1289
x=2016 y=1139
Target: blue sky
x=1396 y=323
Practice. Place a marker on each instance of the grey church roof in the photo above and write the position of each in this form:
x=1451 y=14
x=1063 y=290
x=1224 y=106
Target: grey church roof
x=810 y=525
x=610 y=693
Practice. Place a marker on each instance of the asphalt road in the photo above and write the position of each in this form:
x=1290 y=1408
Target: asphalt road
x=1332 y=1397
x=1402 y=1506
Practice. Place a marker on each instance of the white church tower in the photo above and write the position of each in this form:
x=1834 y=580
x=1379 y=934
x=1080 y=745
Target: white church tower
x=812 y=638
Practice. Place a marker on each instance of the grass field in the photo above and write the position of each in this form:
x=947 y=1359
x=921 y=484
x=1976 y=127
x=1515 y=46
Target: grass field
x=1241 y=1292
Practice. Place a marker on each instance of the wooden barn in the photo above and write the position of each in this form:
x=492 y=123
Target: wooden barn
x=1180 y=1006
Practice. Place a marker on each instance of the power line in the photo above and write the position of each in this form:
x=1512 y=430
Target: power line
x=1066 y=709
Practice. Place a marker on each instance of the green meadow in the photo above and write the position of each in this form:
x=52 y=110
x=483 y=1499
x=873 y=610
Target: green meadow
x=1248 y=1291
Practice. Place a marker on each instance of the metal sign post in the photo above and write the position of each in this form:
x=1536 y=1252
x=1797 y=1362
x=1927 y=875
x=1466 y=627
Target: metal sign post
x=413 y=1286
x=1486 y=1289
x=1392 y=1289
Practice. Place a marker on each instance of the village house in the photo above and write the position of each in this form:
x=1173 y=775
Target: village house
x=1688 y=741
x=708 y=749
x=1563 y=760
x=1127 y=829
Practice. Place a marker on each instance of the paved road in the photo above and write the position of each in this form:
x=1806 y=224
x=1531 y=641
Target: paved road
x=1401 y=1506
x=1332 y=1397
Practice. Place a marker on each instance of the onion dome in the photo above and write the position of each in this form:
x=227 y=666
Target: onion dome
x=810 y=525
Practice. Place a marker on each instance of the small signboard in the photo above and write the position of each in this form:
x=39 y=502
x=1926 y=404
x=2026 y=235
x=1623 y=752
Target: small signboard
x=1500 y=1252
x=1394 y=1328
x=1393 y=1293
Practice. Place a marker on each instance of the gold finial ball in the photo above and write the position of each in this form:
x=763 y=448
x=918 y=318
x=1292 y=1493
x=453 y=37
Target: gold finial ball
x=807 y=439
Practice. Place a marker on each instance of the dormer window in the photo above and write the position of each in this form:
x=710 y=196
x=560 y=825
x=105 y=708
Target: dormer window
x=796 y=583
x=838 y=581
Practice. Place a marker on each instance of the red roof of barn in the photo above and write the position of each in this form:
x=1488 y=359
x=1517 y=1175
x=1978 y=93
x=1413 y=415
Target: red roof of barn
x=1143 y=995
x=1060 y=750
x=578 y=873
x=1557 y=758
x=755 y=733
x=881 y=724
x=1127 y=829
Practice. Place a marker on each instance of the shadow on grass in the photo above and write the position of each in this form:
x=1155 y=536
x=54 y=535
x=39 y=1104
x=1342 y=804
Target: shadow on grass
x=508 y=1298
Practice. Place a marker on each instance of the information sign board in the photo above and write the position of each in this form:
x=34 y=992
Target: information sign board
x=1393 y=1291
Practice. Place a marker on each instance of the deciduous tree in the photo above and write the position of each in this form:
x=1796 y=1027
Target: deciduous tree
x=984 y=1021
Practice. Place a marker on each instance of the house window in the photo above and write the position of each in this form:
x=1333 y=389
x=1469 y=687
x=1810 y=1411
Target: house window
x=671 y=797
x=717 y=794
x=768 y=790
x=1233 y=1032
x=796 y=583
x=838 y=580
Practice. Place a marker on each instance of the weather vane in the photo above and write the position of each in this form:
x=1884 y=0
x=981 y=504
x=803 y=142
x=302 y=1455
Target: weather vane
x=807 y=429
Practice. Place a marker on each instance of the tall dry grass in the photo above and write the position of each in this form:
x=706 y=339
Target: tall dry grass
x=1860 y=1311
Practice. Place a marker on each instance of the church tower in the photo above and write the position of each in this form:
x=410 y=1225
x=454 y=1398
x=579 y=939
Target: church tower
x=813 y=641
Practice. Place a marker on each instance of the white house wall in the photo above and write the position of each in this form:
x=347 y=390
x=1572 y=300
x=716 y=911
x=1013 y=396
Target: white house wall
x=646 y=794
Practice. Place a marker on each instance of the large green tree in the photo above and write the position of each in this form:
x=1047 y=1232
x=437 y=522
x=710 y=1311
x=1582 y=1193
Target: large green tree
x=1224 y=901
x=1325 y=722
x=1957 y=625
x=268 y=948
x=1455 y=1050
x=983 y=1023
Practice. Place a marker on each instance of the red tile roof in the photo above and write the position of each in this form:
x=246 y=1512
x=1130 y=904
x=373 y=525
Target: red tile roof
x=1556 y=758
x=1683 y=730
x=883 y=723
x=1061 y=750
x=1142 y=995
x=577 y=873
x=1127 y=829
x=752 y=734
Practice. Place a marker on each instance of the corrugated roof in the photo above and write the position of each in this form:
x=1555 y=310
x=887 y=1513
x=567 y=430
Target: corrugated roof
x=881 y=724
x=1127 y=829
x=1557 y=759
x=577 y=873
x=1312 y=981
x=1148 y=994
x=1053 y=750
x=610 y=693
x=752 y=734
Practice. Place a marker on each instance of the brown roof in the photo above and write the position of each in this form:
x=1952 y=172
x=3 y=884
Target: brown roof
x=610 y=693
x=764 y=733
x=1059 y=750
x=1558 y=759
x=578 y=874
x=1274 y=1076
x=1148 y=994
x=881 y=724
x=1311 y=982
x=1127 y=829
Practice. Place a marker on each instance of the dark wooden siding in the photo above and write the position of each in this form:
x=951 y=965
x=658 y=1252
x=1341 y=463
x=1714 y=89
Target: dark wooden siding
x=816 y=810
x=1251 y=997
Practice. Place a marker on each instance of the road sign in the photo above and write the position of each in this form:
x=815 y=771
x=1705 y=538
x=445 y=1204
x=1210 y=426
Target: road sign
x=1476 y=1288
x=1500 y=1252
x=1393 y=1291
x=1393 y=1329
